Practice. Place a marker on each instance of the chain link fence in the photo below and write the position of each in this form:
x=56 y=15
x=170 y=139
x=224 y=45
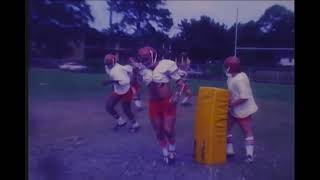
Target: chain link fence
x=278 y=75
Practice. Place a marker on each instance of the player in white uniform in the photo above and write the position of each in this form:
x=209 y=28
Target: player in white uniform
x=162 y=101
x=120 y=79
x=241 y=105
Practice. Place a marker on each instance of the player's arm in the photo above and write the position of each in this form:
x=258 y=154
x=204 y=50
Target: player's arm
x=128 y=69
x=180 y=83
x=136 y=71
x=237 y=102
x=135 y=65
x=134 y=75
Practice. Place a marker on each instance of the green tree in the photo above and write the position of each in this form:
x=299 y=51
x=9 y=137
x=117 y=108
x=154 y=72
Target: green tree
x=276 y=27
x=53 y=23
x=203 y=38
x=138 y=14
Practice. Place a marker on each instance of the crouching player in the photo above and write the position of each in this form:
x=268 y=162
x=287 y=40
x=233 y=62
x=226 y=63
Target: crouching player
x=162 y=100
x=120 y=79
x=241 y=105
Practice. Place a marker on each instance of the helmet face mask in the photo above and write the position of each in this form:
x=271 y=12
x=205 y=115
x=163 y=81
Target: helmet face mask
x=226 y=71
x=147 y=56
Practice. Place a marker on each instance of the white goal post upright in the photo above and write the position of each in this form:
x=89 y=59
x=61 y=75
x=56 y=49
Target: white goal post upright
x=236 y=35
x=252 y=48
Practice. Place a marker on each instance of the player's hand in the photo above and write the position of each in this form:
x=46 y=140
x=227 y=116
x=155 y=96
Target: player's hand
x=174 y=99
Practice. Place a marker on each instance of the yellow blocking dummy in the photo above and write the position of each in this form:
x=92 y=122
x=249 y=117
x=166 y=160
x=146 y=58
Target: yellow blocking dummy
x=211 y=125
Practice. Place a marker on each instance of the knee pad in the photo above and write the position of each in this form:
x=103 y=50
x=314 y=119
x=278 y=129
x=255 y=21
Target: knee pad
x=249 y=140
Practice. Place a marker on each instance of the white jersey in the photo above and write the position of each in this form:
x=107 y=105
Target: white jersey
x=164 y=71
x=122 y=75
x=239 y=88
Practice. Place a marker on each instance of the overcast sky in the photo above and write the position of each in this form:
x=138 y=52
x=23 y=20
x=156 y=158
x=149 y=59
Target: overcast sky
x=221 y=11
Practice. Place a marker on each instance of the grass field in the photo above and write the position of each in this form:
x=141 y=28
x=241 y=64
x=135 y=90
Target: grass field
x=70 y=135
x=74 y=85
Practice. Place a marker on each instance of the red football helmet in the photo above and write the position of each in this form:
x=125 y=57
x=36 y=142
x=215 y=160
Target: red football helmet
x=232 y=64
x=110 y=59
x=147 y=55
